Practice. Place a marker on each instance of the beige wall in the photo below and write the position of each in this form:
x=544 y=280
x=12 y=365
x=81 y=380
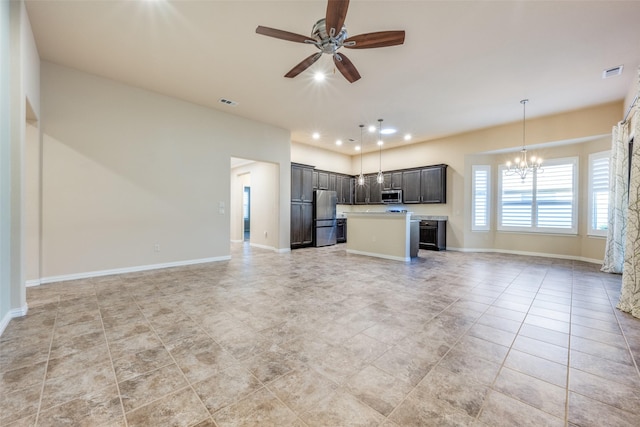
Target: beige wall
x=125 y=170
x=321 y=159
x=552 y=136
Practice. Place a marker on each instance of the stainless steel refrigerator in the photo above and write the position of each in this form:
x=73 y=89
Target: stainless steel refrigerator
x=324 y=217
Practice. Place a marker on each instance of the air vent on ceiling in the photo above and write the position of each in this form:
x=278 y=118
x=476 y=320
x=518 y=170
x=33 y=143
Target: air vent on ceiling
x=612 y=72
x=226 y=101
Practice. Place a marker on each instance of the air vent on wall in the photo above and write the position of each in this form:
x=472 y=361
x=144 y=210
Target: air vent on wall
x=612 y=72
x=226 y=101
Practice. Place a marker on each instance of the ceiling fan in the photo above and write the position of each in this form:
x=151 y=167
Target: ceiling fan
x=330 y=34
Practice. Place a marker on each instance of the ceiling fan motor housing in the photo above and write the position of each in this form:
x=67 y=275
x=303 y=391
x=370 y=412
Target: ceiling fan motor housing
x=326 y=43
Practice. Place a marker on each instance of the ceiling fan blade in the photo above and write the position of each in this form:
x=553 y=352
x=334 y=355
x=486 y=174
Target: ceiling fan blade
x=336 y=14
x=378 y=39
x=306 y=63
x=284 y=35
x=346 y=67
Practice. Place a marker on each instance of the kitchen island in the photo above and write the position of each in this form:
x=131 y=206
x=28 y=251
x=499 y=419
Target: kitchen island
x=390 y=235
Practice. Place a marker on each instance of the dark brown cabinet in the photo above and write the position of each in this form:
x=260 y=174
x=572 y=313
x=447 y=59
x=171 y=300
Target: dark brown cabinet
x=344 y=189
x=323 y=180
x=433 y=235
x=333 y=182
x=341 y=230
x=301 y=183
x=375 y=189
x=425 y=185
x=361 y=192
x=301 y=224
x=411 y=186
x=433 y=184
x=302 y=177
x=392 y=181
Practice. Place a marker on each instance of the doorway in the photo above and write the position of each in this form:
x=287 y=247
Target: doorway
x=246 y=213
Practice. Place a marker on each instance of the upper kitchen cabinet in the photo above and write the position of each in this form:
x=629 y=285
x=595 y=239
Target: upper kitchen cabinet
x=301 y=183
x=433 y=184
x=344 y=189
x=323 y=180
x=333 y=182
x=362 y=193
x=425 y=185
x=392 y=181
x=375 y=189
x=411 y=186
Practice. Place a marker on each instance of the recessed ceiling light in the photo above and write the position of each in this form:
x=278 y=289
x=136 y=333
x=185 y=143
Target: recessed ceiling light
x=315 y=135
x=319 y=76
x=407 y=137
x=388 y=131
x=380 y=142
x=338 y=142
x=357 y=148
x=372 y=128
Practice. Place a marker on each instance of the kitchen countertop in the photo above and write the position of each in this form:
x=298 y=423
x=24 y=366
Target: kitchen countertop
x=413 y=217
x=431 y=217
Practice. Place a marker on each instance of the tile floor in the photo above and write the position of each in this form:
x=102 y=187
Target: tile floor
x=321 y=338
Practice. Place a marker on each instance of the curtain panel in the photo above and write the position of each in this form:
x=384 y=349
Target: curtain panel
x=630 y=291
x=618 y=200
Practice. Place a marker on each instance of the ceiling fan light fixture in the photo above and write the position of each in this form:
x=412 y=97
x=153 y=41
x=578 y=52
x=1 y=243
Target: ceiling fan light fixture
x=319 y=76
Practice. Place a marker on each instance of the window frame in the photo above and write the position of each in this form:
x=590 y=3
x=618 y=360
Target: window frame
x=591 y=231
x=534 y=219
x=487 y=226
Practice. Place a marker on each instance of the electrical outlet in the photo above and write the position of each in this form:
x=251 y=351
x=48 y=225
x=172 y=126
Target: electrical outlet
x=156 y=247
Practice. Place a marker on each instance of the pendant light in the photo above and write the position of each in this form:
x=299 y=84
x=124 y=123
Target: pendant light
x=380 y=177
x=521 y=166
x=361 y=176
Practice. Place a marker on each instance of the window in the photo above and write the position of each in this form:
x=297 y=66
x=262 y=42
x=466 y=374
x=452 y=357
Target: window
x=542 y=202
x=598 y=199
x=480 y=197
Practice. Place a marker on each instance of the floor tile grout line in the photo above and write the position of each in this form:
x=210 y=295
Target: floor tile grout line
x=44 y=379
x=568 y=375
x=491 y=387
x=113 y=368
x=164 y=345
x=622 y=331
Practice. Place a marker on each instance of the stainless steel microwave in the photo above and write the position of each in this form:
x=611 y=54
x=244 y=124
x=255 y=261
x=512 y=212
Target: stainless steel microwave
x=392 y=196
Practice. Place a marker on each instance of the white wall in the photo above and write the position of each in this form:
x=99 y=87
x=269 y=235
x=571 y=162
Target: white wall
x=19 y=87
x=125 y=170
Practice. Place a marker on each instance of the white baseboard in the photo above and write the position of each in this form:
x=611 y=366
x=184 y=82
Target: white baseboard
x=89 y=274
x=539 y=254
x=16 y=312
x=257 y=245
x=377 y=255
x=283 y=250
x=236 y=241
x=32 y=282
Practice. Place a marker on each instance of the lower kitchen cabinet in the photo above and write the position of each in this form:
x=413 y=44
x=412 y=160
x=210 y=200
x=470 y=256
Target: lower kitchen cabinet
x=301 y=225
x=341 y=230
x=433 y=235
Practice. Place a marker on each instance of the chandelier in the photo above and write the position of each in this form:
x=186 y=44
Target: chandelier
x=380 y=177
x=361 y=176
x=521 y=165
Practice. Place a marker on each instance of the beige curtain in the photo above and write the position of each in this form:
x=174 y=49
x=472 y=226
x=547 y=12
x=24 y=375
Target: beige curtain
x=618 y=200
x=630 y=291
